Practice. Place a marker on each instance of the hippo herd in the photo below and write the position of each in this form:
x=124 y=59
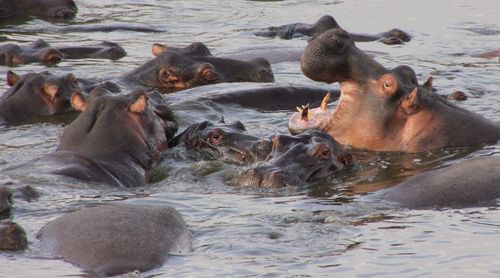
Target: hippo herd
x=125 y=124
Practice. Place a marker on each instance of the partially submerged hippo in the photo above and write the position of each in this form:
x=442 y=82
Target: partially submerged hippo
x=12 y=236
x=64 y=9
x=470 y=183
x=115 y=140
x=36 y=94
x=36 y=52
x=295 y=160
x=325 y=23
x=103 y=50
x=227 y=142
x=116 y=239
x=386 y=110
x=174 y=70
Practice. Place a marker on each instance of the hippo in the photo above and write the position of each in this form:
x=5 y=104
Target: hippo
x=386 y=110
x=37 y=52
x=473 y=182
x=12 y=236
x=5 y=200
x=177 y=70
x=115 y=140
x=327 y=22
x=295 y=160
x=103 y=50
x=36 y=95
x=60 y=9
x=221 y=141
x=115 y=239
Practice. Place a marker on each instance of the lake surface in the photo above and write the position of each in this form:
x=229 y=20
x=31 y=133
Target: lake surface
x=324 y=229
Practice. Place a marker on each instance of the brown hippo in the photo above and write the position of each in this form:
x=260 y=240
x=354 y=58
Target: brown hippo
x=115 y=140
x=295 y=160
x=36 y=94
x=36 y=52
x=118 y=238
x=470 y=183
x=325 y=23
x=12 y=236
x=175 y=70
x=41 y=8
x=103 y=50
x=386 y=110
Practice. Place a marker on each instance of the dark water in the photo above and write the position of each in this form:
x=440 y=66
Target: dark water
x=323 y=229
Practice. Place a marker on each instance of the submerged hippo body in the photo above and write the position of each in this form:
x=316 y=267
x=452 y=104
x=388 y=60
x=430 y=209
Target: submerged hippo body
x=40 y=8
x=37 y=52
x=115 y=140
x=386 y=110
x=103 y=50
x=295 y=160
x=470 y=183
x=325 y=23
x=116 y=239
x=175 y=70
x=36 y=95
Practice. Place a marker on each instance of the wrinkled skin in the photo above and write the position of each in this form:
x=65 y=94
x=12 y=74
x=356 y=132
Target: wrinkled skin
x=115 y=239
x=36 y=95
x=12 y=236
x=177 y=70
x=221 y=141
x=63 y=9
x=386 y=110
x=103 y=50
x=115 y=140
x=295 y=160
x=37 y=52
x=473 y=182
x=325 y=23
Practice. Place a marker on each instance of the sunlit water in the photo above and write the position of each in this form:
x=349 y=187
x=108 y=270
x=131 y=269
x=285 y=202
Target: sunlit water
x=324 y=229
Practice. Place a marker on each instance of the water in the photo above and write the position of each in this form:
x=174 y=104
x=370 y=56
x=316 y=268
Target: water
x=321 y=230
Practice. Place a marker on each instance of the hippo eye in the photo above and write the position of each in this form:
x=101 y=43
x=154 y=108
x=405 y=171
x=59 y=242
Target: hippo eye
x=216 y=137
x=322 y=151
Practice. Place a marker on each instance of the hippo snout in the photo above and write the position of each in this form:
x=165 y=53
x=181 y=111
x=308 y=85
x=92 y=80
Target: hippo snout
x=261 y=176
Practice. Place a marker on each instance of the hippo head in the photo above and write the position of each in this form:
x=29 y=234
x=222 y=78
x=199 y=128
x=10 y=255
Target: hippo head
x=136 y=126
x=228 y=142
x=37 y=94
x=37 y=52
x=323 y=24
x=63 y=9
x=295 y=160
x=111 y=51
x=385 y=110
x=195 y=49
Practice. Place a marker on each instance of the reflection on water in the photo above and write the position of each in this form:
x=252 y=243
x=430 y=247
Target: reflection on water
x=321 y=229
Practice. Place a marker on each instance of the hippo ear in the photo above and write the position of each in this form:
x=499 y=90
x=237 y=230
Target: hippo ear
x=158 y=49
x=12 y=78
x=410 y=103
x=51 y=90
x=207 y=73
x=388 y=83
x=78 y=102
x=428 y=83
x=139 y=105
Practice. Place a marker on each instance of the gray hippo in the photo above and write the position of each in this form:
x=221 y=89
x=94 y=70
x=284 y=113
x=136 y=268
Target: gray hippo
x=325 y=23
x=386 y=110
x=64 y=9
x=118 y=238
x=12 y=236
x=464 y=184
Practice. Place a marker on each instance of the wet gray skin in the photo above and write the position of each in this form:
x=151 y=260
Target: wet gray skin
x=115 y=140
x=194 y=49
x=12 y=236
x=295 y=160
x=325 y=23
x=103 y=50
x=36 y=52
x=63 y=9
x=226 y=142
x=190 y=67
x=35 y=95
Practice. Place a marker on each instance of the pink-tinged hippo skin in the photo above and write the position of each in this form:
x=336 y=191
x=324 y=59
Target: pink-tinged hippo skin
x=116 y=139
x=177 y=69
x=114 y=239
x=60 y=9
x=37 y=52
x=386 y=110
x=36 y=95
x=474 y=182
x=327 y=22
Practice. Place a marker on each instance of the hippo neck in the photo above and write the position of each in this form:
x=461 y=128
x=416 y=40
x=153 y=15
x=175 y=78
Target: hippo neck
x=146 y=74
